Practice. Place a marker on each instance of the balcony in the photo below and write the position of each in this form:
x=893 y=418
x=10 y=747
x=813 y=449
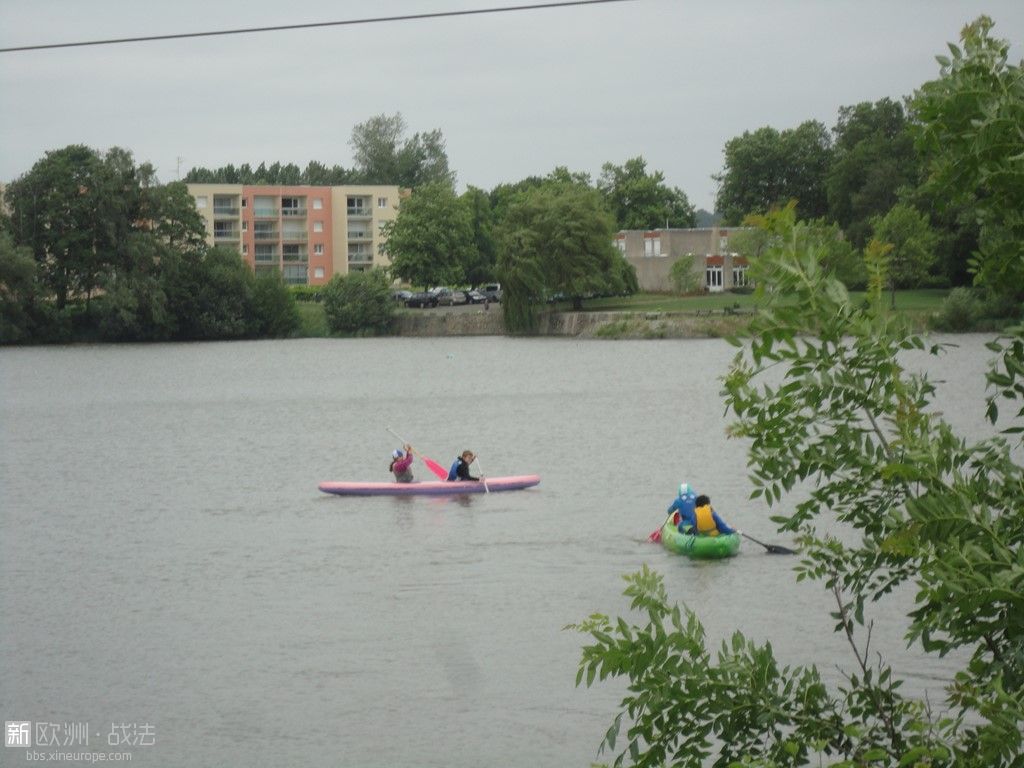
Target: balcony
x=226 y=210
x=294 y=236
x=359 y=213
x=268 y=234
x=225 y=234
x=264 y=212
x=295 y=258
x=359 y=237
x=293 y=212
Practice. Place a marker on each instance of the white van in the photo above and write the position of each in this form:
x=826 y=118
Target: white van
x=492 y=291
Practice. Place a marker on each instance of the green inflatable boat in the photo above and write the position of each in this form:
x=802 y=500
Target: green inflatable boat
x=699 y=547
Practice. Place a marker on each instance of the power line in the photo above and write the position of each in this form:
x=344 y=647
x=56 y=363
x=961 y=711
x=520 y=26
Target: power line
x=348 y=22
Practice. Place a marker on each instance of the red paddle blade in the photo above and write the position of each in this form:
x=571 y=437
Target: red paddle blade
x=437 y=469
x=655 y=536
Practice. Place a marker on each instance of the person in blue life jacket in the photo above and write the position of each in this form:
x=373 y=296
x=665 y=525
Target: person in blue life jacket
x=683 y=504
x=703 y=520
x=460 y=467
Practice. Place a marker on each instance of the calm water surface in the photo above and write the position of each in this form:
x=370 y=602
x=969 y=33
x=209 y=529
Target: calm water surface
x=167 y=560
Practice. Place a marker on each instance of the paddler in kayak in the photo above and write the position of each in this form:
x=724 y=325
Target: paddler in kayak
x=702 y=520
x=401 y=464
x=460 y=467
x=682 y=505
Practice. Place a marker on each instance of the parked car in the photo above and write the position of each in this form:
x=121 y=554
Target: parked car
x=475 y=297
x=491 y=291
x=421 y=299
x=401 y=296
x=450 y=298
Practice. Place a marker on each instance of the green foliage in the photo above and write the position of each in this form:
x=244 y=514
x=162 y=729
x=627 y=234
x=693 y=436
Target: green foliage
x=307 y=293
x=970 y=134
x=274 y=307
x=820 y=395
x=639 y=200
x=481 y=262
x=210 y=295
x=315 y=174
x=431 y=240
x=874 y=159
x=359 y=302
x=913 y=244
x=557 y=239
x=55 y=212
x=684 y=278
x=383 y=155
x=960 y=311
x=768 y=168
x=689 y=706
x=18 y=292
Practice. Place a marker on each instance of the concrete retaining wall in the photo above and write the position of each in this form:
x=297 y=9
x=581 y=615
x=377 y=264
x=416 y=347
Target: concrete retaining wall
x=579 y=324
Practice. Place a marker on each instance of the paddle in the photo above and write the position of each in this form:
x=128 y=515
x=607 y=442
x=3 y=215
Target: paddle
x=433 y=466
x=773 y=549
x=484 y=479
x=655 y=536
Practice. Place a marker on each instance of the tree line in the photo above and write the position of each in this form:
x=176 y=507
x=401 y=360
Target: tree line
x=93 y=247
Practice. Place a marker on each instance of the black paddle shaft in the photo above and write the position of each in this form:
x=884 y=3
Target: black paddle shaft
x=773 y=549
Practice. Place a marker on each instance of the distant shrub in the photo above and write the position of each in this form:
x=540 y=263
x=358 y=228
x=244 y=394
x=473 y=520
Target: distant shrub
x=359 y=302
x=683 y=277
x=959 y=312
x=313 y=293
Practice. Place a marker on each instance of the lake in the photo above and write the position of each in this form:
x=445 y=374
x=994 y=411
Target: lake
x=172 y=576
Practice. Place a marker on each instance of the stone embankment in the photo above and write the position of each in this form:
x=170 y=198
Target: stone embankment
x=611 y=325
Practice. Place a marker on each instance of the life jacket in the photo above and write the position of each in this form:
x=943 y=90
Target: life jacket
x=705 y=522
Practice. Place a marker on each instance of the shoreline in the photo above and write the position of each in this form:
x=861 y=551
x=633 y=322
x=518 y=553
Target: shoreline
x=600 y=325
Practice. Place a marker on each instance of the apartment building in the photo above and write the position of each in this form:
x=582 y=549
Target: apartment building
x=653 y=253
x=307 y=234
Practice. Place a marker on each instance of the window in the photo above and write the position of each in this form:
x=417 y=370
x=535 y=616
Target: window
x=713 y=276
x=358 y=206
x=620 y=243
x=739 y=277
x=382 y=202
x=293 y=206
x=201 y=202
x=266 y=252
x=318 y=273
x=245 y=202
x=245 y=226
x=318 y=203
x=296 y=275
x=652 y=246
x=318 y=226
x=265 y=206
x=245 y=248
x=318 y=249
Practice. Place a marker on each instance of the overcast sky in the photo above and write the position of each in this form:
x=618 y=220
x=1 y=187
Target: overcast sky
x=515 y=94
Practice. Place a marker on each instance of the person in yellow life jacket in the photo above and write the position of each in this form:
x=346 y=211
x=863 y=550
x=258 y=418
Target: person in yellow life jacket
x=703 y=520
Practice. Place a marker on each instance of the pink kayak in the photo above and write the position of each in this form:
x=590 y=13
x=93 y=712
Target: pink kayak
x=433 y=487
